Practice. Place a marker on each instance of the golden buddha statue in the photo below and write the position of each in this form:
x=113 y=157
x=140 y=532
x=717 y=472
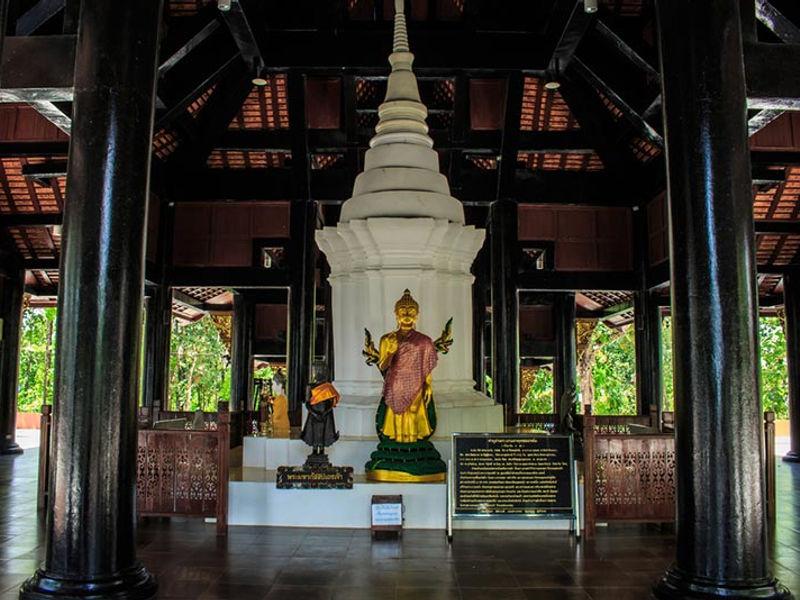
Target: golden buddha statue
x=406 y=416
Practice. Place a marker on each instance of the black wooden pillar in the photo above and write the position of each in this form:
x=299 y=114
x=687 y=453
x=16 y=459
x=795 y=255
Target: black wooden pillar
x=647 y=321
x=565 y=378
x=503 y=268
x=242 y=333
x=301 y=303
x=480 y=270
x=303 y=255
x=90 y=548
x=12 y=289
x=157 y=334
x=791 y=305
x=721 y=545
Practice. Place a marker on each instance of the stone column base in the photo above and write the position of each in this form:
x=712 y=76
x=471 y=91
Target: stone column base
x=134 y=583
x=677 y=585
x=792 y=456
x=12 y=448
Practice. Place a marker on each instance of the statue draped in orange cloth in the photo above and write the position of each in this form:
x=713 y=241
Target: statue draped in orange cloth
x=406 y=416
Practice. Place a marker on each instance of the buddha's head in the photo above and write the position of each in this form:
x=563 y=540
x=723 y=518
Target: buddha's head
x=406 y=310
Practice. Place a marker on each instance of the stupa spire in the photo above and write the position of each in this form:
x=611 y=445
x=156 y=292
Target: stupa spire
x=400 y=30
x=401 y=170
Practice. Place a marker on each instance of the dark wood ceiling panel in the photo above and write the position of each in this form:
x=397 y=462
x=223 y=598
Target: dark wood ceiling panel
x=543 y=109
x=266 y=107
x=324 y=102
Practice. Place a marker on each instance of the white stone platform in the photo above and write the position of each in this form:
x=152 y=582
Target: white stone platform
x=254 y=498
x=271 y=453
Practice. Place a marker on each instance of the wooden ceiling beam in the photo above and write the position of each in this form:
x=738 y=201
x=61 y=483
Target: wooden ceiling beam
x=221 y=108
x=187 y=47
x=623 y=49
x=54 y=113
x=239 y=25
x=568 y=24
x=773 y=76
x=25 y=149
x=507 y=161
x=777 y=226
x=761 y=119
x=642 y=127
x=30 y=219
x=601 y=129
x=36 y=16
x=777 y=23
x=45 y=170
x=788 y=33
x=239 y=277
x=37 y=68
x=578 y=280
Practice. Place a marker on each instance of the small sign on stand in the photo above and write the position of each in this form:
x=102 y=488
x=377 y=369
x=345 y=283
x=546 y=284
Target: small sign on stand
x=387 y=516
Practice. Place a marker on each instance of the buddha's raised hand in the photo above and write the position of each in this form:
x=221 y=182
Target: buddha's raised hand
x=370 y=352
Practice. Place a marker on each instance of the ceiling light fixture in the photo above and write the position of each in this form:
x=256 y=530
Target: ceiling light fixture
x=590 y=6
x=552 y=85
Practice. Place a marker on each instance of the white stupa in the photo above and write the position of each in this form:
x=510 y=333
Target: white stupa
x=402 y=229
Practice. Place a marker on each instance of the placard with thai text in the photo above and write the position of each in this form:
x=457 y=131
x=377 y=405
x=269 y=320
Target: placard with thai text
x=513 y=474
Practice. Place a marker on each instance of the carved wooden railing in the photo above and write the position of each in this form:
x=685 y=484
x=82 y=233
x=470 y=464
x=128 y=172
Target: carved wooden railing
x=632 y=477
x=185 y=472
x=179 y=472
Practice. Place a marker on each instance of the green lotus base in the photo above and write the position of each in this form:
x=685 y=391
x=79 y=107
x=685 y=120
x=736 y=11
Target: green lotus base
x=417 y=459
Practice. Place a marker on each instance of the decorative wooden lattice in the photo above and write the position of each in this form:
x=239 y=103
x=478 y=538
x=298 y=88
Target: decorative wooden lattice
x=634 y=477
x=184 y=473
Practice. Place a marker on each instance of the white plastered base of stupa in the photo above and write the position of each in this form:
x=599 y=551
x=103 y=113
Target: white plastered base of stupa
x=372 y=261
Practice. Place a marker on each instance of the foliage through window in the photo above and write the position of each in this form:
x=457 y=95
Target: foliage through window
x=37 y=350
x=199 y=366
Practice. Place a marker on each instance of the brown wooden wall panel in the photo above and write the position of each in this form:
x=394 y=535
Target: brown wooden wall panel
x=271 y=220
x=585 y=238
x=486 y=103
x=657 y=230
x=192 y=235
x=782 y=134
x=324 y=102
x=271 y=321
x=221 y=235
x=536 y=323
x=21 y=123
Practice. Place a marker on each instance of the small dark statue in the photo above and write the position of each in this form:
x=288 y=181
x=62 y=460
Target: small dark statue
x=319 y=431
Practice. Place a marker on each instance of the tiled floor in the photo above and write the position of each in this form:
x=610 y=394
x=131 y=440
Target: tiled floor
x=298 y=564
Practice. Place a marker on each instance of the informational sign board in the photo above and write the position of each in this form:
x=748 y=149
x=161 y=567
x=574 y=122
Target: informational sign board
x=387 y=515
x=507 y=476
